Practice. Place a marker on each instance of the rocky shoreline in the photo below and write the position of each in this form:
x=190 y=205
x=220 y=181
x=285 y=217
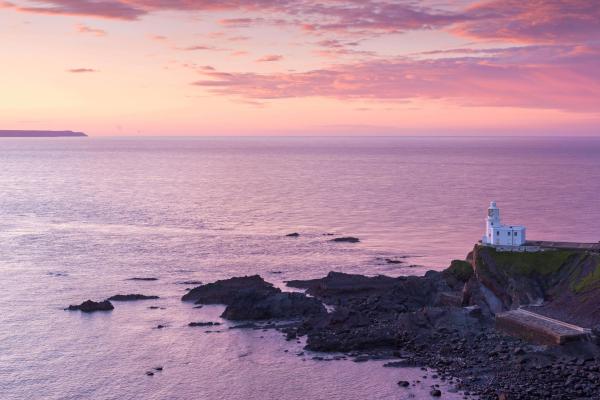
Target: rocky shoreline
x=442 y=322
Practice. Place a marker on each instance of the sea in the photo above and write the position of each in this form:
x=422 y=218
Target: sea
x=80 y=217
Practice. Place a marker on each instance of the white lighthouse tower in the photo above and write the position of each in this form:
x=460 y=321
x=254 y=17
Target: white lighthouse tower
x=499 y=235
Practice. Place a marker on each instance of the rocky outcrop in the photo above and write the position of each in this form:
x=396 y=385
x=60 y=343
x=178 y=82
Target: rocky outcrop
x=337 y=285
x=226 y=291
x=90 y=306
x=443 y=320
x=391 y=294
x=346 y=239
x=251 y=298
x=131 y=297
x=563 y=284
x=249 y=306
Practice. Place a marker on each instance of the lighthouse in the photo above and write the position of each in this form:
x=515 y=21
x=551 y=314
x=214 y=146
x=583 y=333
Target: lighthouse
x=497 y=234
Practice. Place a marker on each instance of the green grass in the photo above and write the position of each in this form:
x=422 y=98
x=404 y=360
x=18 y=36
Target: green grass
x=461 y=270
x=588 y=282
x=530 y=264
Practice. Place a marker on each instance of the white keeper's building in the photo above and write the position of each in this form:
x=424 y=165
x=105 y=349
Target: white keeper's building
x=497 y=234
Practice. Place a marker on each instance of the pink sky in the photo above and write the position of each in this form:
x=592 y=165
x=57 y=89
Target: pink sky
x=287 y=67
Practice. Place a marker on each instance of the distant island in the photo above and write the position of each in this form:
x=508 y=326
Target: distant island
x=46 y=134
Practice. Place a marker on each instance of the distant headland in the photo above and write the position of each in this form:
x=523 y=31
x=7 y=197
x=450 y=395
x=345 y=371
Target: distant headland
x=38 y=134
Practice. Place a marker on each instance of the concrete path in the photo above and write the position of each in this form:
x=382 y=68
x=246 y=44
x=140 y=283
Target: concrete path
x=539 y=328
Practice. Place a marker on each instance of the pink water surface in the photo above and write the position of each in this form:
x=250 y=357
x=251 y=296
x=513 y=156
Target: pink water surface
x=80 y=216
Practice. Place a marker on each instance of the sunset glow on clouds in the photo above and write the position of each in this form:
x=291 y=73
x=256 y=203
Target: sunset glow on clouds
x=208 y=67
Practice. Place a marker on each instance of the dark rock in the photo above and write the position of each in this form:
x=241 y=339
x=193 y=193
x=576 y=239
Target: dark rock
x=142 y=279
x=161 y=326
x=253 y=306
x=294 y=235
x=89 y=306
x=248 y=325
x=226 y=291
x=459 y=272
x=58 y=274
x=158 y=368
x=131 y=297
x=518 y=351
x=190 y=283
x=403 y=383
x=346 y=239
x=392 y=261
x=435 y=393
x=337 y=284
x=193 y=324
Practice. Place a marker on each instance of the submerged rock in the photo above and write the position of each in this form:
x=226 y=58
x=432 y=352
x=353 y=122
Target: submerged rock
x=142 y=279
x=294 y=235
x=131 y=297
x=195 y=324
x=89 y=306
x=346 y=239
x=393 y=261
x=227 y=290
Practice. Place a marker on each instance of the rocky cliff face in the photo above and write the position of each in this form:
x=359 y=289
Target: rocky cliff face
x=561 y=284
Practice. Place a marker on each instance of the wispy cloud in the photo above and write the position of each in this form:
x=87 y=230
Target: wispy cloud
x=81 y=70
x=89 y=30
x=270 y=58
x=541 y=77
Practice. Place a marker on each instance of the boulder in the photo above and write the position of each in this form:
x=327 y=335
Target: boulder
x=131 y=297
x=346 y=239
x=285 y=305
x=142 y=279
x=202 y=324
x=226 y=291
x=89 y=306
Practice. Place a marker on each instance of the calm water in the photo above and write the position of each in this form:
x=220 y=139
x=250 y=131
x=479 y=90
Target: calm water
x=80 y=216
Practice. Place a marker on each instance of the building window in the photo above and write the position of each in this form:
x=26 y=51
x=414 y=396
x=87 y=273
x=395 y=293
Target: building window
x=498 y=233
x=516 y=233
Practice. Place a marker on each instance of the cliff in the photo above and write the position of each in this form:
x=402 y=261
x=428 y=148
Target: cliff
x=30 y=134
x=562 y=284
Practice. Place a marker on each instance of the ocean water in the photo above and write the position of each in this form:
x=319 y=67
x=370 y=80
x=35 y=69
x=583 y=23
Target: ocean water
x=78 y=217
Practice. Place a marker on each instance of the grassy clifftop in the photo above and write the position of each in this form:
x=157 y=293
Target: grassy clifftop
x=528 y=264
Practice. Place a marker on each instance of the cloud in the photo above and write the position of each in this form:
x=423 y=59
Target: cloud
x=534 y=21
x=239 y=22
x=201 y=47
x=115 y=9
x=337 y=15
x=86 y=29
x=158 y=38
x=270 y=58
x=535 y=77
x=81 y=70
